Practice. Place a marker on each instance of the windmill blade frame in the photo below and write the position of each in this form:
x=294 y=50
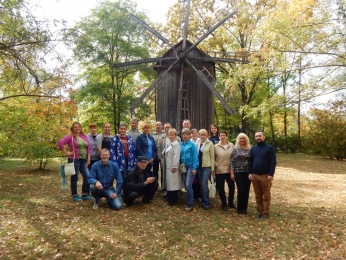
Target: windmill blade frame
x=153 y=85
x=211 y=30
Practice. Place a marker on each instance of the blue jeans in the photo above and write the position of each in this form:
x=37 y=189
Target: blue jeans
x=203 y=177
x=79 y=165
x=188 y=179
x=106 y=193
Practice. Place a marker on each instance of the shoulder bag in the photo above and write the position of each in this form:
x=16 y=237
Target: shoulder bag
x=69 y=167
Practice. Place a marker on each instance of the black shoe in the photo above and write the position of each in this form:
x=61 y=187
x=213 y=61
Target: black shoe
x=145 y=200
x=206 y=207
x=165 y=194
x=243 y=212
x=224 y=207
x=232 y=206
x=170 y=203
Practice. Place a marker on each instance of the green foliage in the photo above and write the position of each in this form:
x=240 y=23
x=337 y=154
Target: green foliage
x=106 y=37
x=26 y=44
x=32 y=127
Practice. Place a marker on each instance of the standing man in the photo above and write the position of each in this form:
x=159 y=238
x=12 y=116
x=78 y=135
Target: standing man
x=262 y=162
x=185 y=124
x=156 y=135
x=94 y=155
x=101 y=178
x=140 y=182
x=133 y=132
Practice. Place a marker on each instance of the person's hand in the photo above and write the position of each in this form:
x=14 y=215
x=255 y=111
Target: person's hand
x=173 y=169
x=69 y=153
x=113 y=196
x=212 y=173
x=250 y=177
x=98 y=185
x=194 y=172
x=232 y=177
x=270 y=178
x=149 y=180
x=87 y=163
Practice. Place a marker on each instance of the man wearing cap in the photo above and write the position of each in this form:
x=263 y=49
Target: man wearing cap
x=101 y=179
x=140 y=182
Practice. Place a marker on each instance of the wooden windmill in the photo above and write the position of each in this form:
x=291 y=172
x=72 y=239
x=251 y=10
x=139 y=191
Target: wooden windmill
x=185 y=86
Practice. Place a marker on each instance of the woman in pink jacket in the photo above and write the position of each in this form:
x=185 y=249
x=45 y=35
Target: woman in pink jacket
x=78 y=150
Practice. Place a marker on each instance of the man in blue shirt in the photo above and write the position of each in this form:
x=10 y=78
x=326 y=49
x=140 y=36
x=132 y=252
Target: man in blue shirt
x=101 y=179
x=262 y=162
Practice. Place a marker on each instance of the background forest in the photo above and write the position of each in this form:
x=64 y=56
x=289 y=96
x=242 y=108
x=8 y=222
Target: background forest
x=292 y=86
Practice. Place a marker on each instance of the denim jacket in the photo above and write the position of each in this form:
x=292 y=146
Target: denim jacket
x=106 y=174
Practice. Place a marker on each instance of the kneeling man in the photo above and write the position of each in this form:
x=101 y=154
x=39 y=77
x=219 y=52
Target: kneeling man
x=140 y=182
x=101 y=177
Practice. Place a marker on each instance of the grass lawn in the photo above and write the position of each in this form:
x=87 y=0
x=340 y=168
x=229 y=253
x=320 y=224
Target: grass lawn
x=40 y=221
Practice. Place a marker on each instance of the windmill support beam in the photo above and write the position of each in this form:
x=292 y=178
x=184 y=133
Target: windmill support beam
x=211 y=87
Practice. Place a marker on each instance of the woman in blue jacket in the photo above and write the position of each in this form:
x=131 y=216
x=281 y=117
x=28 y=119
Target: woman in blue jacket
x=145 y=145
x=189 y=157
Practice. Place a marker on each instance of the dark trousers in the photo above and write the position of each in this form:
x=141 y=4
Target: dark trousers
x=156 y=166
x=243 y=186
x=148 y=193
x=172 y=196
x=124 y=175
x=220 y=184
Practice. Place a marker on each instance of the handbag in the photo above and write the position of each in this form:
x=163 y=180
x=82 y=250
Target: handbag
x=212 y=190
x=69 y=167
x=182 y=167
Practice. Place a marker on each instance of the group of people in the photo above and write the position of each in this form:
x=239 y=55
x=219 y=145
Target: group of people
x=186 y=159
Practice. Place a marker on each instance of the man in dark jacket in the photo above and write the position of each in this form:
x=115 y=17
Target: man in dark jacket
x=140 y=182
x=262 y=162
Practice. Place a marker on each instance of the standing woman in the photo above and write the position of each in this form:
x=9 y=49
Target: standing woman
x=206 y=166
x=223 y=150
x=214 y=133
x=123 y=152
x=194 y=135
x=145 y=145
x=104 y=139
x=171 y=157
x=239 y=171
x=189 y=157
x=78 y=150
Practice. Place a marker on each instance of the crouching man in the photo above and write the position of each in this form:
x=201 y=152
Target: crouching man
x=140 y=182
x=101 y=178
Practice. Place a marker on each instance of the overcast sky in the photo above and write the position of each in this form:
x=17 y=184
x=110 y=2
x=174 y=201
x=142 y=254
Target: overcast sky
x=73 y=10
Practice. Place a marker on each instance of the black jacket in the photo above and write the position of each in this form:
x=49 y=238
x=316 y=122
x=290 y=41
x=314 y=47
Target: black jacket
x=136 y=179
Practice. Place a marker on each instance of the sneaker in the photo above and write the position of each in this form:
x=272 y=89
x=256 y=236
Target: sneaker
x=77 y=198
x=87 y=197
x=188 y=208
x=96 y=205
